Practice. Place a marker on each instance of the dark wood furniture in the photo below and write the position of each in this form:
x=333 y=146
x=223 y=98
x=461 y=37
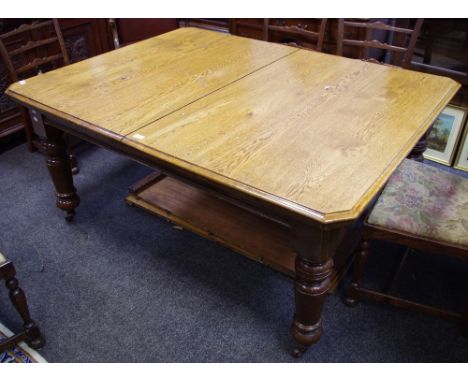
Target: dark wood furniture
x=428 y=238
x=231 y=225
x=296 y=32
x=291 y=33
x=385 y=43
x=31 y=333
x=83 y=38
x=43 y=50
x=251 y=28
x=302 y=33
x=128 y=31
x=241 y=126
x=218 y=25
x=442 y=49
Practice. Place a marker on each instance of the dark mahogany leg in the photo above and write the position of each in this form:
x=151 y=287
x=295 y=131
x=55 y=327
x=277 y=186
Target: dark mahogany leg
x=315 y=247
x=74 y=164
x=360 y=262
x=58 y=163
x=311 y=285
x=17 y=297
x=418 y=150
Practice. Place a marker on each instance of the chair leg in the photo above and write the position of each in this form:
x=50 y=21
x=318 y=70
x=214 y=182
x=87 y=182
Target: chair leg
x=18 y=298
x=74 y=164
x=73 y=161
x=360 y=261
x=418 y=150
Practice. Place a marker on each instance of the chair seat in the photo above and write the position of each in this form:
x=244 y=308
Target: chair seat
x=424 y=201
x=2 y=259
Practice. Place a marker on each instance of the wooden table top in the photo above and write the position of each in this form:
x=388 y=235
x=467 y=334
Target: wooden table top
x=316 y=134
x=123 y=90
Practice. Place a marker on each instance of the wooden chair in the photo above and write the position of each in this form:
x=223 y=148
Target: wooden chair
x=278 y=30
x=423 y=208
x=29 y=50
x=314 y=36
x=390 y=35
x=36 y=55
x=31 y=333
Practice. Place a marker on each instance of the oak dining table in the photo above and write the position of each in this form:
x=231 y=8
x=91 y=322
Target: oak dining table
x=293 y=136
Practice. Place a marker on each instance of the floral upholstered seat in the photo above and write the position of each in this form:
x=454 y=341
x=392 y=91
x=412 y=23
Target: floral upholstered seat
x=424 y=201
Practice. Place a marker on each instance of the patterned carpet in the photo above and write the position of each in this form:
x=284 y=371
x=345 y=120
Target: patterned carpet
x=21 y=353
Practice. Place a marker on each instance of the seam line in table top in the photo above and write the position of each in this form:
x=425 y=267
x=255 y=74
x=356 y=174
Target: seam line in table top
x=47 y=108
x=321 y=216
x=211 y=92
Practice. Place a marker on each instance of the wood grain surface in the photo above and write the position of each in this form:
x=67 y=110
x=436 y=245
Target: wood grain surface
x=127 y=88
x=315 y=134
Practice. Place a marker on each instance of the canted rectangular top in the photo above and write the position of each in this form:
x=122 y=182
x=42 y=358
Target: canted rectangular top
x=313 y=133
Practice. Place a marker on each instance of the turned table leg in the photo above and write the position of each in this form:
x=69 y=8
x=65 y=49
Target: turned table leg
x=311 y=286
x=314 y=265
x=58 y=164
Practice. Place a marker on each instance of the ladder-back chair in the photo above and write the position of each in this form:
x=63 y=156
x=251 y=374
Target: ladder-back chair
x=397 y=40
x=29 y=50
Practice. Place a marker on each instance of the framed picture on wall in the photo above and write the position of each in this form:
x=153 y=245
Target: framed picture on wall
x=462 y=157
x=444 y=135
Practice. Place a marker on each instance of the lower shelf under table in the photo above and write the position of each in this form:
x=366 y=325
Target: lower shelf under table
x=246 y=232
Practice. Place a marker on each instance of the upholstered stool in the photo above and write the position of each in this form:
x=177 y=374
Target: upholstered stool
x=423 y=208
x=31 y=333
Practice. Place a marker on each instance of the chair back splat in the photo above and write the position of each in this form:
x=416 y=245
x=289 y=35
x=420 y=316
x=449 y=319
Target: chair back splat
x=310 y=35
x=380 y=35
